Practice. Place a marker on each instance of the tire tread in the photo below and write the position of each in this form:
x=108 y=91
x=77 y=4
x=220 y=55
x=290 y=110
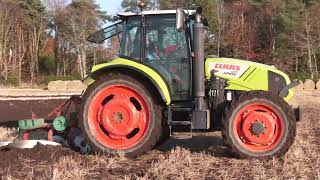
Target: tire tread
x=277 y=100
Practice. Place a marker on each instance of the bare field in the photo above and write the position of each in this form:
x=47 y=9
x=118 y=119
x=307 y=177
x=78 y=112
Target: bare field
x=202 y=157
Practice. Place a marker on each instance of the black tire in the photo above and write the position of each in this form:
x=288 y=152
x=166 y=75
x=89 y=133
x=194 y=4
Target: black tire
x=154 y=130
x=279 y=105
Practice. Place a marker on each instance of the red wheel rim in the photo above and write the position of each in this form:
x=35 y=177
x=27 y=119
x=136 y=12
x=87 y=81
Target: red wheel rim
x=118 y=117
x=258 y=127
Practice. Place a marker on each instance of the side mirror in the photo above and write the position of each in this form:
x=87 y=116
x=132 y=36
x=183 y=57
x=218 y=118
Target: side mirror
x=180 y=20
x=97 y=37
x=115 y=18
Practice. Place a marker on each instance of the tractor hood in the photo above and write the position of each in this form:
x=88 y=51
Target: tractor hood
x=247 y=75
x=230 y=68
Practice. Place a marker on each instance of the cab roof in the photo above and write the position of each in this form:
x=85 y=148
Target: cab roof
x=157 y=12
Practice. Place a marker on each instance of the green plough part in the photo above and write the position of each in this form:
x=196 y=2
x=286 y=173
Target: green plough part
x=30 y=124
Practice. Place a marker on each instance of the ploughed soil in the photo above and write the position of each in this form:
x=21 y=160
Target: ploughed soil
x=202 y=157
x=14 y=110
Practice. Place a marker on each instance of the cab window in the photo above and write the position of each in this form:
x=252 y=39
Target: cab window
x=130 y=46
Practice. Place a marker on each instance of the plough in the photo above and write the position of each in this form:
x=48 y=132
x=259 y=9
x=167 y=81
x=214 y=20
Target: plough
x=60 y=126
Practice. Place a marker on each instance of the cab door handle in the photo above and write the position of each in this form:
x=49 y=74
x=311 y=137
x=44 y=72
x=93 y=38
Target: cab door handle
x=184 y=59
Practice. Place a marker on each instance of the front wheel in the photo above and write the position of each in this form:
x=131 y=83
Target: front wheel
x=259 y=124
x=120 y=115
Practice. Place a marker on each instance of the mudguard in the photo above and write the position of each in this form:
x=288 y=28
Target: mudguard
x=122 y=63
x=249 y=76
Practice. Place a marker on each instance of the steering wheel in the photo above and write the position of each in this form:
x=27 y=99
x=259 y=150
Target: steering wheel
x=172 y=51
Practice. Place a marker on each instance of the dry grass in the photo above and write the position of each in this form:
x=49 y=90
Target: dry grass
x=8 y=134
x=301 y=162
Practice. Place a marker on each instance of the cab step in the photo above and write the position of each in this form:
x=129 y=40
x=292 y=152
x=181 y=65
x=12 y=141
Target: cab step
x=179 y=129
x=181 y=109
x=183 y=123
x=181 y=135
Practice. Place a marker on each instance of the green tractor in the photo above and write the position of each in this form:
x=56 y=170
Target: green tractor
x=162 y=85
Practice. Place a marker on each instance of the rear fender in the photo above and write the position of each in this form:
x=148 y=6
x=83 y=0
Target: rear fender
x=134 y=67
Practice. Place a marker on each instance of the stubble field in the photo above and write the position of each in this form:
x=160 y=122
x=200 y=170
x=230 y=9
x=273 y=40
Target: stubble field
x=202 y=157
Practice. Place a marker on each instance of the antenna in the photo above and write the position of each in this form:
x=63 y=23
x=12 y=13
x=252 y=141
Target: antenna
x=142 y=5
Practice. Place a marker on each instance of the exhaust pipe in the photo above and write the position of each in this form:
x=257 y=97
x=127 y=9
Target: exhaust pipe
x=201 y=113
x=198 y=63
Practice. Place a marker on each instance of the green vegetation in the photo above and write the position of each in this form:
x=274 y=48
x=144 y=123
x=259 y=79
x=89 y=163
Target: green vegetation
x=47 y=65
x=302 y=76
x=11 y=81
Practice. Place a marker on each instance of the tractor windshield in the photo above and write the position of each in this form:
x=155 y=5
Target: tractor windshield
x=106 y=33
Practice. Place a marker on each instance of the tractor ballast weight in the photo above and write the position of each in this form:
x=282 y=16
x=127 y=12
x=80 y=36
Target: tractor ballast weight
x=162 y=84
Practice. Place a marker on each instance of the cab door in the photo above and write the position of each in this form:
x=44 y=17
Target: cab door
x=167 y=52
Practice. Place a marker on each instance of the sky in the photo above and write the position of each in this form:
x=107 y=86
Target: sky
x=111 y=6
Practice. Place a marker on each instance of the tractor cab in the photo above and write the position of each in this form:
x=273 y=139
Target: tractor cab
x=152 y=39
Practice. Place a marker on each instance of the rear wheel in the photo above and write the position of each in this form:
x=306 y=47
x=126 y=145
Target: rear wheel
x=259 y=124
x=120 y=115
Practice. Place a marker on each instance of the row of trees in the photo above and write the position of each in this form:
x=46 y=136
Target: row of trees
x=40 y=37
x=71 y=25
x=21 y=32
x=281 y=32
x=49 y=36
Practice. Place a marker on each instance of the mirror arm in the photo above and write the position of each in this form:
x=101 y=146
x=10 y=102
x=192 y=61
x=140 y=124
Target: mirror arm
x=180 y=19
